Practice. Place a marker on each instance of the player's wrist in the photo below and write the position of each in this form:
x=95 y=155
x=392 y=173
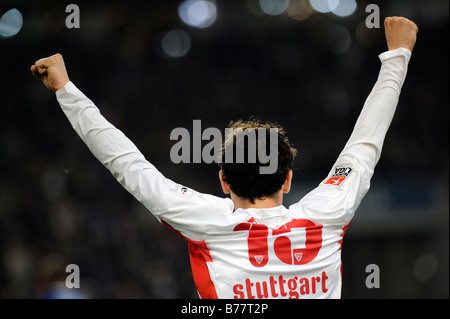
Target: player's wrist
x=60 y=85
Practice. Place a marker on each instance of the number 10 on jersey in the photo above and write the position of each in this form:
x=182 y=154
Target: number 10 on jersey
x=258 y=247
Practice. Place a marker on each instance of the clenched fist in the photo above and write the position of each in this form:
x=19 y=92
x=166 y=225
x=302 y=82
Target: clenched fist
x=51 y=71
x=400 y=33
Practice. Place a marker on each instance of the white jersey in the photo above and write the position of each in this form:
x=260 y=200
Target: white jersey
x=277 y=252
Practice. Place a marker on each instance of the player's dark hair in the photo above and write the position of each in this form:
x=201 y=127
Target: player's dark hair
x=245 y=179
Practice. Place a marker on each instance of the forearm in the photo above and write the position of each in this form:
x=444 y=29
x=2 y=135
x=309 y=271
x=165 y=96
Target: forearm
x=164 y=198
x=341 y=192
x=366 y=141
x=109 y=145
x=102 y=138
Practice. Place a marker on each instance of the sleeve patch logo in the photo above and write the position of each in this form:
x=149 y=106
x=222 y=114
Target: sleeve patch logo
x=180 y=189
x=339 y=176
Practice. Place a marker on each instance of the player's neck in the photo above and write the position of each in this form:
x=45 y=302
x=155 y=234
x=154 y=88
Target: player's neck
x=265 y=202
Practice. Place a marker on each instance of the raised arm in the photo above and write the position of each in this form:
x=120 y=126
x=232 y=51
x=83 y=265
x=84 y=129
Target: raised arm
x=373 y=123
x=336 y=199
x=167 y=200
x=107 y=143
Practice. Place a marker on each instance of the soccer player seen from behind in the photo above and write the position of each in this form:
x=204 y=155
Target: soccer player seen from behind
x=249 y=245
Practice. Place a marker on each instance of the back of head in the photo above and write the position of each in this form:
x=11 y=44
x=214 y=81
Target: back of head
x=244 y=154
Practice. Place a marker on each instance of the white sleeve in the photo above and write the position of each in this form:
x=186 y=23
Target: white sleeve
x=166 y=200
x=336 y=199
x=366 y=141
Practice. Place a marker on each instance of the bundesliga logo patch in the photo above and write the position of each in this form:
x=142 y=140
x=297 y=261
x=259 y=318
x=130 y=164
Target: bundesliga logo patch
x=339 y=176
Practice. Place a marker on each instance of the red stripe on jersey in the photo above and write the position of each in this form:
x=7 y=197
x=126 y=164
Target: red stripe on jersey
x=344 y=229
x=199 y=255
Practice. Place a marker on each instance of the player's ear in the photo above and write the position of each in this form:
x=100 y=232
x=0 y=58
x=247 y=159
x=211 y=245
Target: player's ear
x=225 y=186
x=287 y=182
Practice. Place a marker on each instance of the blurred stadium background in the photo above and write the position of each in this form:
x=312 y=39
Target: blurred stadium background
x=152 y=66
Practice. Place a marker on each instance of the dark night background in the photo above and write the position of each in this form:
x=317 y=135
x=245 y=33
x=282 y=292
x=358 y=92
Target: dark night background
x=59 y=205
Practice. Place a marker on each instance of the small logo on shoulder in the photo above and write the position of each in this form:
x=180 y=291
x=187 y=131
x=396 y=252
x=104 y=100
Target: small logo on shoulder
x=339 y=176
x=180 y=189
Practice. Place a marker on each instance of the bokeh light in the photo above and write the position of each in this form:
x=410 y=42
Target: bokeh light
x=198 y=13
x=425 y=267
x=345 y=8
x=324 y=6
x=11 y=23
x=339 y=39
x=299 y=9
x=176 y=43
x=273 y=7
